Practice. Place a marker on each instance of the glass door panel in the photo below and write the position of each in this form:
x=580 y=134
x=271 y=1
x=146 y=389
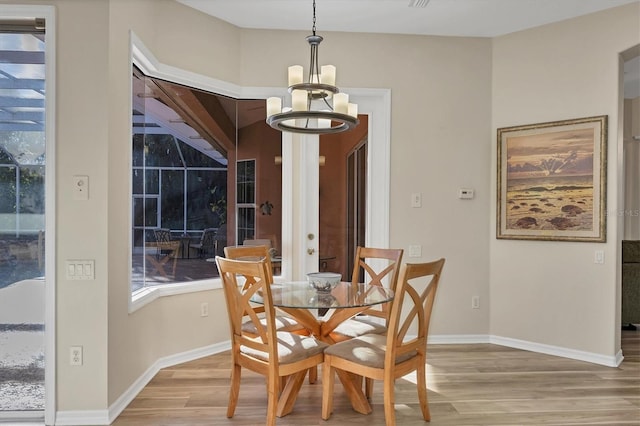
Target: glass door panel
x=22 y=212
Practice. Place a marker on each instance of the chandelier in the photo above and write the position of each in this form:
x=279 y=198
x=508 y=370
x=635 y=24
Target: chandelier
x=317 y=105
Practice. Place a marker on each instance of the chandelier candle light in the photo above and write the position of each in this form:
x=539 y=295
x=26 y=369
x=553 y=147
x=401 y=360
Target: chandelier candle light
x=311 y=110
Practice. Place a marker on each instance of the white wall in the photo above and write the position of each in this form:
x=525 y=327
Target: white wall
x=440 y=135
x=551 y=292
x=440 y=141
x=177 y=35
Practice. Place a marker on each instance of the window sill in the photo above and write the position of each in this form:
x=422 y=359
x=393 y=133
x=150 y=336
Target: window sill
x=147 y=295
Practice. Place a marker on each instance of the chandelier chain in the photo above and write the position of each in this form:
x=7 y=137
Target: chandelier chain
x=314 y=18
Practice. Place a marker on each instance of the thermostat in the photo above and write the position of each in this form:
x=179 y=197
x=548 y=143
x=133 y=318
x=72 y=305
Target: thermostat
x=465 y=193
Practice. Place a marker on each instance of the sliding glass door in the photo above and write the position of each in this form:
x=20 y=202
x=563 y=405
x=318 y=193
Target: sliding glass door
x=23 y=164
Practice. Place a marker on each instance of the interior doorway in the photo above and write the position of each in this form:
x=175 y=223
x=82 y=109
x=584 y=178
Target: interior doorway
x=356 y=200
x=343 y=173
x=630 y=259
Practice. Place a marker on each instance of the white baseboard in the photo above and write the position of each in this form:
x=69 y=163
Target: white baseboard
x=608 y=361
x=454 y=339
x=457 y=339
x=23 y=418
x=83 y=417
x=106 y=417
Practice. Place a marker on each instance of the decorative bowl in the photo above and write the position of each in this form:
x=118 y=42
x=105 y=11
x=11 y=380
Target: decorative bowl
x=323 y=281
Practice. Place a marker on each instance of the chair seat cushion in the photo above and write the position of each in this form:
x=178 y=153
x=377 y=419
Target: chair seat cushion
x=366 y=350
x=291 y=348
x=355 y=327
x=283 y=323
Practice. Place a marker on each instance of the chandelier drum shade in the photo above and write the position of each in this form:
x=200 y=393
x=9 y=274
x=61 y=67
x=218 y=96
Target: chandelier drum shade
x=317 y=105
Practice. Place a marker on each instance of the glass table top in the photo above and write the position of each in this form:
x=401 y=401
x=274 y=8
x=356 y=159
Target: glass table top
x=298 y=294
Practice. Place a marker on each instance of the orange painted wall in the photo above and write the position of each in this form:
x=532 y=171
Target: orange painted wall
x=262 y=143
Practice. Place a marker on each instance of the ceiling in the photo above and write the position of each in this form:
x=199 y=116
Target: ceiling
x=469 y=18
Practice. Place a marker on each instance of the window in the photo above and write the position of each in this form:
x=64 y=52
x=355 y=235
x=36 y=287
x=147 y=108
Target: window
x=246 y=182
x=179 y=184
x=195 y=160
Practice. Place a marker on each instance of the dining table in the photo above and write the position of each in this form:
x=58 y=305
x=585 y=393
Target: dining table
x=344 y=301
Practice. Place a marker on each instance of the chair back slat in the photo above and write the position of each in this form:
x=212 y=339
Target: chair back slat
x=208 y=237
x=367 y=269
x=364 y=272
x=251 y=253
x=162 y=235
x=235 y=274
x=414 y=309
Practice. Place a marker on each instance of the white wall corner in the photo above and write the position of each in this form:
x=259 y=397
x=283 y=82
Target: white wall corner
x=136 y=387
x=106 y=417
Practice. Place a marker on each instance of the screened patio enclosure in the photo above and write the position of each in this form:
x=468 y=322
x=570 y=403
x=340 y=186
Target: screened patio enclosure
x=195 y=181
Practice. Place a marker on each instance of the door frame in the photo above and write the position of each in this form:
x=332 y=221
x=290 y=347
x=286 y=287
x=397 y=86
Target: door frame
x=300 y=177
x=623 y=57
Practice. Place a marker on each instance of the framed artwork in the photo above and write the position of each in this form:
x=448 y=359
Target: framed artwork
x=552 y=181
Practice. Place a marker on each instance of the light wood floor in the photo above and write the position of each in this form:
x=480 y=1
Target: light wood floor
x=475 y=384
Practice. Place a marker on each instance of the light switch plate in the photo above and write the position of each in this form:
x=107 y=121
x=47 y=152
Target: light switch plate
x=80 y=269
x=416 y=199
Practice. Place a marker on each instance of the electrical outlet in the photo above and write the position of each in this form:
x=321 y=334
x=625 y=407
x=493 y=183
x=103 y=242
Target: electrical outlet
x=204 y=309
x=598 y=257
x=415 y=250
x=475 y=302
x=75 y=355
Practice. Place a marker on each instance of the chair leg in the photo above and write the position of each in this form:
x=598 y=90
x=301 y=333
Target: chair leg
x=328 y=377
x=422 y=391
x=313 y=374
x=273 y=393
x=235 y=389
x=368 y=383
x=389 y=401
x=290 y=393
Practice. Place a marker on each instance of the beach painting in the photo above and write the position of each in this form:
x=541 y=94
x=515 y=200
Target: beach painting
x=552 y=181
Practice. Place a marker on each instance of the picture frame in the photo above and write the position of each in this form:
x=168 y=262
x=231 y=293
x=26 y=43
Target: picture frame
x=551 y=182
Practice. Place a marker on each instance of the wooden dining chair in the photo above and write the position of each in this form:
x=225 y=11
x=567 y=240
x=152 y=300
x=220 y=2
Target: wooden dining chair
x=253 y=253
x=207 y=243
x=163 y=237
x=387 y=357
x=374 y=266
x=274 y=354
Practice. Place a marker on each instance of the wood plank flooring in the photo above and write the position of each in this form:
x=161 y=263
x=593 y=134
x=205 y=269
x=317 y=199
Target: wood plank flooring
x=473 y=384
